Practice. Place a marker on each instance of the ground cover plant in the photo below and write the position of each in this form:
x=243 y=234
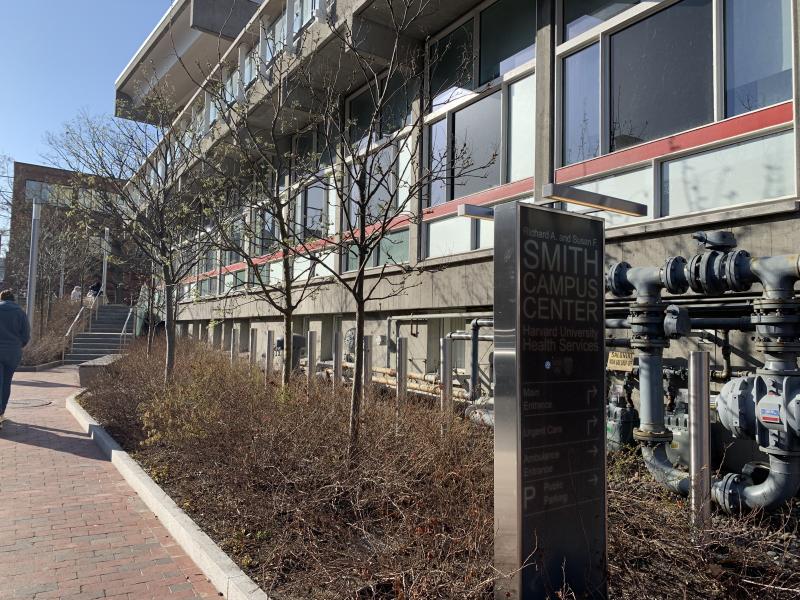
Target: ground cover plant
x=265 y=472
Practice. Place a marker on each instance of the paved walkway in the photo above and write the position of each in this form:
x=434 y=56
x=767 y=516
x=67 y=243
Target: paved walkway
x=70 y=527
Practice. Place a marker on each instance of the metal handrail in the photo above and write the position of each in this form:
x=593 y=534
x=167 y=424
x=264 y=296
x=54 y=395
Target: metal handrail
x=125 y=328
x=71 y=331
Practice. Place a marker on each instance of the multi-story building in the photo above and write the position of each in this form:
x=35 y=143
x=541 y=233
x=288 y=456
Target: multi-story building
x=687 y=106
x=64 y=260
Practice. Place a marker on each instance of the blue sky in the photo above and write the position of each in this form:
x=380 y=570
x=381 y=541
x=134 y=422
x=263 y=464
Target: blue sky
x=58 y=57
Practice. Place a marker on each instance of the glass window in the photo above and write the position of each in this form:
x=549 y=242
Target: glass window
x=276 y=272
x=229 y=89
x=662 y=74
x=581 y=106
x=380 y=180
x=362 y=115
x=747 y=172
x=438 y=162
x=476 y=151
x=266 y=235
x=274 y=38
x=405 y=172
x=485 y=234
x=303 y=12
x=758 y=54
x=250 y=67
x=582 y=15
x=636 y=186
x=449 y=236
x=394 y=248
x=521 y=110
x=399 y=96
x=508 y=35
x=314 y=212
x=451 y=62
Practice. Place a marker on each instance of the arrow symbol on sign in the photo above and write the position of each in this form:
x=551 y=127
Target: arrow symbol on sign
x=591 y=424
x=591 y=395
x=593 y=479
x=593 y=451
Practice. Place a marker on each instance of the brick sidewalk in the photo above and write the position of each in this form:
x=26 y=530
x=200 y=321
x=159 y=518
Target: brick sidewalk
x=70 y=527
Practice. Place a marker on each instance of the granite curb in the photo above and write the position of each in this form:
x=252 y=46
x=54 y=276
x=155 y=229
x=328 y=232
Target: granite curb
x=221 y=571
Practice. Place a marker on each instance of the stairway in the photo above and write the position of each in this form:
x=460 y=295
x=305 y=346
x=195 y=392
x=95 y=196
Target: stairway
x=102 y=337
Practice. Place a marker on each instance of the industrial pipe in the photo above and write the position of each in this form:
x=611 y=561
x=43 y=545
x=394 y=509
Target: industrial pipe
x=474 y=375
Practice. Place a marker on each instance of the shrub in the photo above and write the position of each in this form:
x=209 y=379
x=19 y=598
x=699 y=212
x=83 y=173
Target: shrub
x=46 y=346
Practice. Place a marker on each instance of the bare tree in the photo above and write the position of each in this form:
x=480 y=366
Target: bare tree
x=329 y=187
x=149 y=192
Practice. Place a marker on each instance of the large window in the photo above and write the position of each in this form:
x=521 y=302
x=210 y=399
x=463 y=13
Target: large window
x=274 y=38
x=758 y=54
x=449 y=236
x=581 y=106
x=581 y=15
x=662 y=74
x=508 y=33
x=476 y=149
x=636 y=186
x=750 y=171
x=314 y=212
x=451 y=65
x=521 y=110
x=437 y=162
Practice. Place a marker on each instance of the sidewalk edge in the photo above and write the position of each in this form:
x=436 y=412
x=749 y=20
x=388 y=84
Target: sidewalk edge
x=223 y=573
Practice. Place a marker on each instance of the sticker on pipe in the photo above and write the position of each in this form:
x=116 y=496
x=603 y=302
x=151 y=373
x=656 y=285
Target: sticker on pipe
x=771 y=414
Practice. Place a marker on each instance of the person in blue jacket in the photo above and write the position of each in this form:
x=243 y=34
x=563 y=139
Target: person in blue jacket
x=15 y=332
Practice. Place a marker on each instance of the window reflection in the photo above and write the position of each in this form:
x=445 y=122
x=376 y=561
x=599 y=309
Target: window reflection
x=581 y=106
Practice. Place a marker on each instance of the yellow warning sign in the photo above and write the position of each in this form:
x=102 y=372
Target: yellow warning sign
x=620 y=361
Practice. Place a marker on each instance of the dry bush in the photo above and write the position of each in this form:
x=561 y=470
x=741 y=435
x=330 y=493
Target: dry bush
x=48 y=346
x=265 y=473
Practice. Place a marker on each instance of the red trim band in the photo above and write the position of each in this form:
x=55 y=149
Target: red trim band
x=713 y=132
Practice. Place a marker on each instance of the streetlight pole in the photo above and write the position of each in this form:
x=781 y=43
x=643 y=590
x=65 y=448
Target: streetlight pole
x=33 y=261
x=105 y=262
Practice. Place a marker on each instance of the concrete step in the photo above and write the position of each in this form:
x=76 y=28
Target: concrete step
x=95 y=349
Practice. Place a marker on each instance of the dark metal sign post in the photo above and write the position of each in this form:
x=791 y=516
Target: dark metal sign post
x=550 y=492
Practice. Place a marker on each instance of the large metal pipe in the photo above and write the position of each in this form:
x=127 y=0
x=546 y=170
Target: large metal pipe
x=699 y=429
x=651 y=393
x=475 y=373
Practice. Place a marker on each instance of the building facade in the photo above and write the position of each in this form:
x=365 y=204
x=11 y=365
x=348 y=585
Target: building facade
x=688 y=106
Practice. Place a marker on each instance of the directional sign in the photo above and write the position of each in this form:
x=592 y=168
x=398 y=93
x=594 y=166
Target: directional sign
x=550 y=492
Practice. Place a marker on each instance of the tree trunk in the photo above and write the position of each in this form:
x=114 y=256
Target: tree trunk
x=357 y=393
x=169 y=326
x=288 y=331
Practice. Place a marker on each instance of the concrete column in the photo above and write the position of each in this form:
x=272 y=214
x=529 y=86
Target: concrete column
x=253 y=347
x=337 y=358
x=311 y=358
x=367 y=362
x=402 y=368
x=446 y=375
x=544 y=146
x=269 y=350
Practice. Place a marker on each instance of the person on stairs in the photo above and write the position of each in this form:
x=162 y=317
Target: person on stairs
x=15 y=332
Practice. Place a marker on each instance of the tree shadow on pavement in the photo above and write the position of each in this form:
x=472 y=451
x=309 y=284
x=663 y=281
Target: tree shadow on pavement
x=44 y=437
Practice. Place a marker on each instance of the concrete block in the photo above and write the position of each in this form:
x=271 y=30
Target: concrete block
x=90 y=369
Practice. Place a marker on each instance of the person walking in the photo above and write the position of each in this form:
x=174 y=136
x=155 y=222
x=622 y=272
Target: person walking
x=77 y=294
x=15 y=332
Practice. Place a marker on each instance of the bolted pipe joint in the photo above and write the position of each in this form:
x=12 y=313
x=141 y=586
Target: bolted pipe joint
x=622 y=280
x=735 y=494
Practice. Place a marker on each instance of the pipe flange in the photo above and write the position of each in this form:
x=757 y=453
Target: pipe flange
x=617 y=280
x=778 y=451
x=644 y=342
x=726 y=493
x=771 y=346
x=652 y=438
x=770 y=304
x=673 y=275
x=693 y=273
x=712 y=272
x=774 y=319
x=737 y=270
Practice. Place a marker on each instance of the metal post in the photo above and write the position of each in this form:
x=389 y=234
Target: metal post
x=699 y=419
x=106 y=243
x=402 y=369
x=311 y=358
x=446 y=375
x=33 y=262
x=367 y=363
x=269 y=348
x=337 y=358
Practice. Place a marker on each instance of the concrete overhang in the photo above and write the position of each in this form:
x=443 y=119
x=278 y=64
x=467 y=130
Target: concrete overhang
x=178 y=54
